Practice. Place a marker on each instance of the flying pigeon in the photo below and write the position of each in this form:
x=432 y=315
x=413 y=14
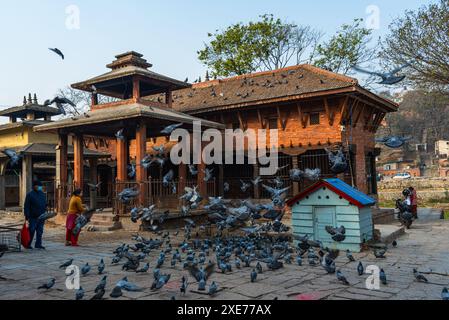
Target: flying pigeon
x=14 y=158
x=296 y=175
x=193 y=170
x=208 y=174
x=226 y=187
x=312 y=174
x=119 y=135
x=244 y=186
x=57 y=51
x=388 y=78
x=168 y=178
x=393 y=142
x=169 y=129
x=94 y=187
x=338 y=162
x=131 y=171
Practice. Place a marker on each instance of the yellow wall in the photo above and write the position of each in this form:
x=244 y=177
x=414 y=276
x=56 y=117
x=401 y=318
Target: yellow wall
x=24 y=135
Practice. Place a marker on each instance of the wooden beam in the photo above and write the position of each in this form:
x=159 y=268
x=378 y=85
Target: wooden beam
x=362 y=109
x=169 y=98
x=369 y=119
x=282 y=120
x=344 y=108
x=302 y=116
x=136 y=88
x=262 y=121
x=243 y=124
x=330 y=114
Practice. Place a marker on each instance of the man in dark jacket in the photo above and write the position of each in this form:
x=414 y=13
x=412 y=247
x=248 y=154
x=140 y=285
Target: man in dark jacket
x=35 y=205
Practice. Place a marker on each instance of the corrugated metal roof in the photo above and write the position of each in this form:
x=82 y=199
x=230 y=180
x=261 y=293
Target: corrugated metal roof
x=343 y=189
x=351 y=192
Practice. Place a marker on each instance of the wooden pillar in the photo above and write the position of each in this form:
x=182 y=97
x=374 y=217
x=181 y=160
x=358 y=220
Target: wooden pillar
x=221 y=180
x=202 y=185
x=122 y=160
x=169 y=98
x=295 y=184
x=136 y=88
x=255 y=175
x=93 y=178
x=2 y=192
x=94 y=99
x=182 y=171
x=78 y=161
x=141 y=172
x=26 y=177
x=61 y=172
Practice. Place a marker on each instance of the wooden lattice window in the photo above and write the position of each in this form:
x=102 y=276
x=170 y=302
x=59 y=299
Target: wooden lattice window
x=314 y=119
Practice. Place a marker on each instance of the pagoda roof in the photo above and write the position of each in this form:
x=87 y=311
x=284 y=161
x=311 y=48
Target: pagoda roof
x=39 y=111
x=118 y=82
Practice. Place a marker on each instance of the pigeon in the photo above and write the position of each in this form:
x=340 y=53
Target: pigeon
x=419 y=276
x=445 y=294
x=380 y=252
x=299 y=260
x=48 y=285
x=168 y=178
x=66 y=264
x=393 y=142
x=116 y=292
x=128 y=286
x=388 y=78
x=127 y=195
x=85 y=269
x=193 y=170
x=256 y=181
x=338 y=162
x=169 y=129
x=119 y=135
x=202 y=285
x=131 y=171
x=101 y=267
x=337 y=234
x=213 y=288
x=201 y=273
x=259 y=267
x=79 y=294
x=360 y=269
x=296 y=175
x=253 y=275
x=58 y=52
x=329 y=265
x=101 y=285
x=184 y=285
x=226 y=187
x=94 y=187
x=135 y=215
x=99 y=295
x=244 y=186
x=394 y=243
x=14 y=158
x=160 y=282
x=342 y=278
x=160 y=149
x=383 y=277
x=208 y=174
x=312 y=174
x=144 y=269
x=349 y=256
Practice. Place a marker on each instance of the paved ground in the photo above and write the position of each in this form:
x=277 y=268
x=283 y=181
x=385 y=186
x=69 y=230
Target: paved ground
x=425 y=247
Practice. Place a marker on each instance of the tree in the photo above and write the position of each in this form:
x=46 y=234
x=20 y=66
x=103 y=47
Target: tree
x=263 y=45
x=420 y=116
x=422 y=38
x=348 y=47
x=81 y=99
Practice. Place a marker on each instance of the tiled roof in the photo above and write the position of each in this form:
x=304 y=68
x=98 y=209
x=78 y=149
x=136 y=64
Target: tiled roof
x=260 y=87
x=45 y=149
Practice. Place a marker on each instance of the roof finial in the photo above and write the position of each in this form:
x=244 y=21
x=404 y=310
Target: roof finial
x=35 y=99
x=29 y=99
x=207 y=76
x=24 y=100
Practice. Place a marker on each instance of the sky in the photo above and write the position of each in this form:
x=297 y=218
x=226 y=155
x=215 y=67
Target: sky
x=168 y=33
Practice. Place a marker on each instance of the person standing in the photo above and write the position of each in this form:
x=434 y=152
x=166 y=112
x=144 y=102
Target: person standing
x=75 y=209
x=414 y=202
x=35 y=205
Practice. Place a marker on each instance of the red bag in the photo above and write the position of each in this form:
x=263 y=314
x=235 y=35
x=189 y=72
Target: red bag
x=25 y=236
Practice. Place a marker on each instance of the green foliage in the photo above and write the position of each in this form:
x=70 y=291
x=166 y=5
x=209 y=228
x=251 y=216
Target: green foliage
x=266 y=44
x=348 y=47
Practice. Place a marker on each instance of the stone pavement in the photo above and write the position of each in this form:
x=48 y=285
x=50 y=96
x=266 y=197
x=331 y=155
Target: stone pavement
x=425 y=247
